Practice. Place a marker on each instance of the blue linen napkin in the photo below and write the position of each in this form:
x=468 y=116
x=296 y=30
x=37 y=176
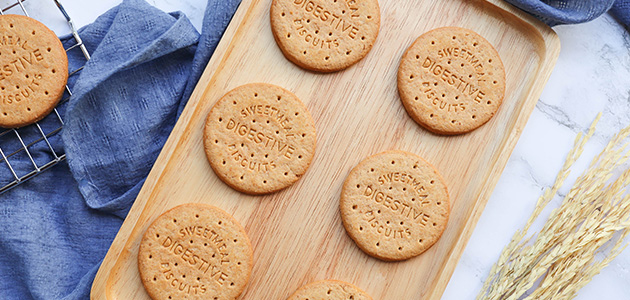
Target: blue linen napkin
x=556 y=12
x=57 y=227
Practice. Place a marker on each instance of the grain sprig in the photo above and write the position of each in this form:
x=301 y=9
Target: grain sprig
x=578 y=239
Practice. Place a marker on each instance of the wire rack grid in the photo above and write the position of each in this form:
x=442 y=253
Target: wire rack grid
x=12 y=140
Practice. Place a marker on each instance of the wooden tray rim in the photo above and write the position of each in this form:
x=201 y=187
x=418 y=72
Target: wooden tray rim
x=548 y=41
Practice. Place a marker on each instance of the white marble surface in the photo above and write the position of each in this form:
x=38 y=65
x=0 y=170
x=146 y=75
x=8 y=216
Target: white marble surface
x=592 y=75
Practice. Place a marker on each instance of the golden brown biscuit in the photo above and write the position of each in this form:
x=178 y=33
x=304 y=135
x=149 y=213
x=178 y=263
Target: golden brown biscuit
x=451 y=80
x=259 y=138
x=329 y=290
x=33 y=71
x=195 y=251
x=325 y=35
x=394 y=205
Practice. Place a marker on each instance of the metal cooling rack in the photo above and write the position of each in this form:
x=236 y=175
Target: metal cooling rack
x=12 y=143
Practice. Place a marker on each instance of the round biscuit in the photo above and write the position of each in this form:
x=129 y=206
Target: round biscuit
x=451 y=80
x=329 y=290
x=33 y=71
x=259 y=138
x=195 y=251
x=325 y=35
x=394 y=205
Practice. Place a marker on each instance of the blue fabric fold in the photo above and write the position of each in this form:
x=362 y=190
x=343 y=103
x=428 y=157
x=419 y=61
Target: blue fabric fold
x=621 y=11
x=557 y=12
x=158 y=63
x=58 y=226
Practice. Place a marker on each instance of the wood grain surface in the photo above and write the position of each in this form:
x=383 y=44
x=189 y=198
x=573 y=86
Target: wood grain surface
x=297 y=233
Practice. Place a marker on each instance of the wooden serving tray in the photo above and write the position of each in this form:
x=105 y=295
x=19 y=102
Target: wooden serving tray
x=297 y=233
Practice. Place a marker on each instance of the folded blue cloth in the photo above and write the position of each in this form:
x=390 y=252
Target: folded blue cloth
x=57 y=227
x=556 y=12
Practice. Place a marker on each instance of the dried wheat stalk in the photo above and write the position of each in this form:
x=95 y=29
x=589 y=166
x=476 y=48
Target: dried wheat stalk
x=592 y=222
